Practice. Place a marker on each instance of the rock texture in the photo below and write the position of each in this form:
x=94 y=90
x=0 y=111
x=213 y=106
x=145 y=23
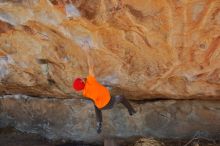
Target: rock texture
x=74 y=119
x=145 y=49
x=148 y=142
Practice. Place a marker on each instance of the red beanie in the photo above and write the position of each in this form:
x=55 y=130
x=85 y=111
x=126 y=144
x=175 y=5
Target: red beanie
x=78 y=84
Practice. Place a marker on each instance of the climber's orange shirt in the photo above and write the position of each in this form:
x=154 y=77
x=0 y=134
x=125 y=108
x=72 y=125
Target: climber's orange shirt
x=96 y=92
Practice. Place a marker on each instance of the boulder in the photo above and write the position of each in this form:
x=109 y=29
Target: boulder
x=146 y=50
x=74 y=119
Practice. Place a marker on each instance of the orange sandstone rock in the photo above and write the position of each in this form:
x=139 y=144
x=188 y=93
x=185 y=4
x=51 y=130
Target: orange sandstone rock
x=144 y=49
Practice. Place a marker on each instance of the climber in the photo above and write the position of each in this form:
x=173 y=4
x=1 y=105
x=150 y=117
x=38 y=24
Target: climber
x=99 y=94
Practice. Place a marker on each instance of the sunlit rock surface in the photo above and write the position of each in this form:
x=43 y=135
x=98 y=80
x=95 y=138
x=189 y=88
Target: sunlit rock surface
x=74 y=119
x=145 y=49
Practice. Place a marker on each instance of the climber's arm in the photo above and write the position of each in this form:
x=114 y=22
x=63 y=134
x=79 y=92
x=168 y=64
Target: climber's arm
x=87 y=50
x=90 y=64
x=98 y=119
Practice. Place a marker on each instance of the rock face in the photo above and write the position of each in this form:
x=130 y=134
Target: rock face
x=145 y=49
x=74 y=119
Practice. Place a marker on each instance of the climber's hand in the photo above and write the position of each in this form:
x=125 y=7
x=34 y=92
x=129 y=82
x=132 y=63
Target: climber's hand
x=99 y=127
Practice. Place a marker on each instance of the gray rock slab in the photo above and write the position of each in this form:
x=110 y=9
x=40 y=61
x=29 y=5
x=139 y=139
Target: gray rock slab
x=74 y=119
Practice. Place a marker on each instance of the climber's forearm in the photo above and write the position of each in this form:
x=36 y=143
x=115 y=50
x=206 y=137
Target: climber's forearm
x=91 y=68
x=90 y=63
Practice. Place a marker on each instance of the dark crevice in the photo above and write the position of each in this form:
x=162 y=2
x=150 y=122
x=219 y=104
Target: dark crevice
x=77 y=97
